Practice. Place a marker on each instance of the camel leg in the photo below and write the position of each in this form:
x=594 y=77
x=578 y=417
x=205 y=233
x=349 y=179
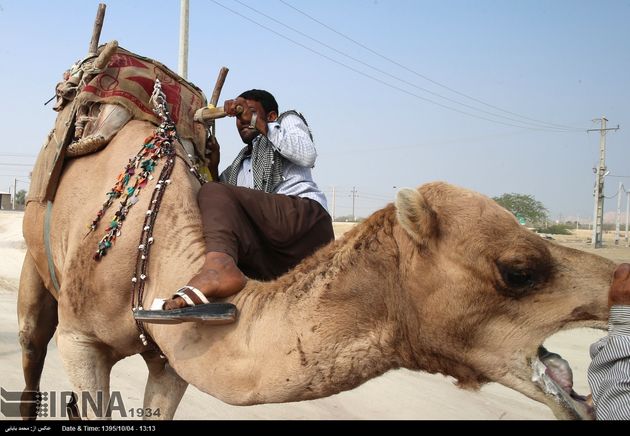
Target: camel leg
x=164 y=389
x=37 y=320
x=88 y=365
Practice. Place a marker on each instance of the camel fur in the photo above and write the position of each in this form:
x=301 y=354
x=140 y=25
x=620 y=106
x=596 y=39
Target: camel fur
x=443 y=280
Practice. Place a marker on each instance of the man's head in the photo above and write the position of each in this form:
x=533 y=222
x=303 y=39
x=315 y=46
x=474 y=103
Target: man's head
x=264 y=105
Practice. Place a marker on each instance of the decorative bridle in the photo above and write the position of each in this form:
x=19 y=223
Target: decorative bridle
x=160 y=145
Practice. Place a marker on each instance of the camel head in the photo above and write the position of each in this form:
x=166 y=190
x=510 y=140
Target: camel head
x=485 y=292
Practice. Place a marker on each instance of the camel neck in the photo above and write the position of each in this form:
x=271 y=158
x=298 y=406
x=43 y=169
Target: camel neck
x=331 y=323
x=328 y=325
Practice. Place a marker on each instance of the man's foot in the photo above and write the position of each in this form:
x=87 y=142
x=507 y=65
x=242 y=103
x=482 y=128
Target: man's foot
x=219 y=277
x=620 y=289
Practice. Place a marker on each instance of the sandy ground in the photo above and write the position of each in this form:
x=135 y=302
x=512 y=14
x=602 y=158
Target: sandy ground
x=399 y=394
x=580 y=239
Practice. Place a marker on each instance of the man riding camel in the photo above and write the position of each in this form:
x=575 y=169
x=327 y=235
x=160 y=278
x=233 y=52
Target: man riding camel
x=266 y=214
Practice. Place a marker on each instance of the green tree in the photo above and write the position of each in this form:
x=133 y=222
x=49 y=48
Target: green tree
x=20 y=197
x=525 y=206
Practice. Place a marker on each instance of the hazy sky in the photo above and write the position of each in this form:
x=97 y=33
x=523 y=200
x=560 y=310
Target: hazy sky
x=495 y=96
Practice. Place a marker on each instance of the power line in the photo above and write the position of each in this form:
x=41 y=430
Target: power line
x=377 y=197
x=460 y=141
x=619 y=189
x=419 y=74
x=369 y=76
x=396 y=77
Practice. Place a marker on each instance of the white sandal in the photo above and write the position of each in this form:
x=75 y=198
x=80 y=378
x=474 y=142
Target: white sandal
x=191 y=295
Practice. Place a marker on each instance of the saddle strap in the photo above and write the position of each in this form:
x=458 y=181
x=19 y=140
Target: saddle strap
x=51 y=265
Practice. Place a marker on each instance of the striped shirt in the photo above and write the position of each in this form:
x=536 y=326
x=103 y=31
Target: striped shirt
x=292 y=140
x=609 y=372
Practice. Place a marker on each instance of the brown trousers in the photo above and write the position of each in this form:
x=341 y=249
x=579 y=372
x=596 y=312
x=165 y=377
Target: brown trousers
x=266 y=234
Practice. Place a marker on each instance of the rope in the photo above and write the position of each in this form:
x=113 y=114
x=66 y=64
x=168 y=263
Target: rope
x=146 y=241
x=161 y=144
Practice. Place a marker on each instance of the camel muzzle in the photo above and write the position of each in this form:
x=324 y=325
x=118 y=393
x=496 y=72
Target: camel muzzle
x=553 y=375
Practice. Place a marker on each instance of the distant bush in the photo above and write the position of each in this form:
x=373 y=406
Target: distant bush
x=555 y=229
x=348 y=219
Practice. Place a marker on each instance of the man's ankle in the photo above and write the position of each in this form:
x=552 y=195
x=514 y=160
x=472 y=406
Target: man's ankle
x=219 y=258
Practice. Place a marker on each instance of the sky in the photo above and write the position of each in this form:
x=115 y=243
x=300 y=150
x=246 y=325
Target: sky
x=495 y=96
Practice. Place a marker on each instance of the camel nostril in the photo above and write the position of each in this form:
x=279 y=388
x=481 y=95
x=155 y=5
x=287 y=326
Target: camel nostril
x=622 y=272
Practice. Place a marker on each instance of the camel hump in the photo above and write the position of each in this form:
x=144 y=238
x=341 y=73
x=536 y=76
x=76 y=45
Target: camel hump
x=98 y=97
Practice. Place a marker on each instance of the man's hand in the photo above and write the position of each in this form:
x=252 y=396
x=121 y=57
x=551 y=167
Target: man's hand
x=215 y=156
x=619 y=294
x=251 y=121
x=231 y=108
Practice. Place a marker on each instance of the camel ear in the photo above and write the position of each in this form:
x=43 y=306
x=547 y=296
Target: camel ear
x=415 y=215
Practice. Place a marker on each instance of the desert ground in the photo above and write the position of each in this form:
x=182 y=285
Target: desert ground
x=398 y=394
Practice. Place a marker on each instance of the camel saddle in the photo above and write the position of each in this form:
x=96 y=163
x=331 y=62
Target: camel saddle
x=94 y=105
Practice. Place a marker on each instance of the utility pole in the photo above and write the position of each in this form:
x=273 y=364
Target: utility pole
x=600 y=173
x=14 y=192
x=333 y=205
x=354 y=194
x=618 y=217
x=183 y=39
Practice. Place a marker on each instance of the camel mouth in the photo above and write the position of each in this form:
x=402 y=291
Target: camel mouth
x=553 y=375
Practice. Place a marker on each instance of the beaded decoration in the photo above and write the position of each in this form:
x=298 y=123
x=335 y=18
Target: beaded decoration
x=140 y=168
x=160 y=144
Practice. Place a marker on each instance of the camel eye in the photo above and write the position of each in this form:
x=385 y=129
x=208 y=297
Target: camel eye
x=517 y=281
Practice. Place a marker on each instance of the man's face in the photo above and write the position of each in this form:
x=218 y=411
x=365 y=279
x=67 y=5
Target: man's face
x=248 y=134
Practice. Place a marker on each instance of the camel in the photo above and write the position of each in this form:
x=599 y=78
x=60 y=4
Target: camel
x=443 y=280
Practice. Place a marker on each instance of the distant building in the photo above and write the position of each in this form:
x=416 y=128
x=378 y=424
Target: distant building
x=5 y=201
